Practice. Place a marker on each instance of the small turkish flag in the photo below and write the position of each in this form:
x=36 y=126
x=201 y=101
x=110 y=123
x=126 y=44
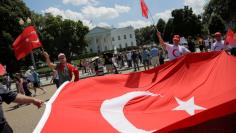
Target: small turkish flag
x=26 y=42
x=144 y=8
x=184 y=92
x=2 y=70
x=230 y=38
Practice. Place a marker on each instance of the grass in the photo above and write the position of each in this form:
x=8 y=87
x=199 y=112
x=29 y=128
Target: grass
x=77 y=62
x=44 y=70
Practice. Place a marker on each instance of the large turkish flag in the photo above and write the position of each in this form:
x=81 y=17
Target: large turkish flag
x=26 y=42
x=184 y=92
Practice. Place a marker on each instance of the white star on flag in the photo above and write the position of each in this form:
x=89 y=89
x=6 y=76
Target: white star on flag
x=188 y=106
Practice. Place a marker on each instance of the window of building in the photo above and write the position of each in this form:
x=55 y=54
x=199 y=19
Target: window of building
x=97 y=41
x=132 y=44
x=130 y=35
x=113 y=39
x=124 y=36
x=120 y=46
x=99 y=49
x=126 y=45
x=118 y=37
x=104 y=39
x=105 y=48
x=91 y=50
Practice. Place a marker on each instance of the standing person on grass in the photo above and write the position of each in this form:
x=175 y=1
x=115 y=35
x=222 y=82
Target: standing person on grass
x=175 y=50
x=55 y=78
x=145 y=58
x=66 y=71
x=36 y=81
x=155 y=56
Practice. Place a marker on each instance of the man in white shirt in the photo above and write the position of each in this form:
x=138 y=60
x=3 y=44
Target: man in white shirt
x=175 y=50
x=29 y=75
x=219 y=43
x=129 y=59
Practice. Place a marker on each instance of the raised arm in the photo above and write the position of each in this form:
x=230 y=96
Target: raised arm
x=161 y=40
x=48 y=61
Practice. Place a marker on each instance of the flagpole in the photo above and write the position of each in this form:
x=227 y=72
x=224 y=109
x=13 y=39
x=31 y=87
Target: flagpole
x=154 y=25
x=33 y=60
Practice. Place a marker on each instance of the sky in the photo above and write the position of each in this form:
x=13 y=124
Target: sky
x=112 y=13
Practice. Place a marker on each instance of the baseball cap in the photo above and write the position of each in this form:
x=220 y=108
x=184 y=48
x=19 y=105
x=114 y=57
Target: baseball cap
x=61 y=54
x=217 y=34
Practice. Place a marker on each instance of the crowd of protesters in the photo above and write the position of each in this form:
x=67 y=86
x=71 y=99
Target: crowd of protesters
x=151 y=55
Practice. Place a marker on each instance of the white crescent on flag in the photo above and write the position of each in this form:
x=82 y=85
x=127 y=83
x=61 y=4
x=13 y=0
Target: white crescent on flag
x=112 y=112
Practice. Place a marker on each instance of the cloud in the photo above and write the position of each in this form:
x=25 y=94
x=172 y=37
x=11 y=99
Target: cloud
x=79 y=2
x=68 y=14
x=104 y=12
x=135 y=23
x=103 y=24
x=122 y=9
x=197 y=5
x=164 y=15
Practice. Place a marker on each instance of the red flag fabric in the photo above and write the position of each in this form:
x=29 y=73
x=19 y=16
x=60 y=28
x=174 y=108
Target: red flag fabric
x=2 y=70
x=184 y=92
x=26 y=42
x=144 y=8
x=230 y=37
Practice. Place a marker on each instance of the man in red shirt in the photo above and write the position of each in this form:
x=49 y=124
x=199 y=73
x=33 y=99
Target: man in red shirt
x=66 y=71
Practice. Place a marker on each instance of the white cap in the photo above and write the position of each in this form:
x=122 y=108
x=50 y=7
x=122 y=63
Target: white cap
x=61 y=54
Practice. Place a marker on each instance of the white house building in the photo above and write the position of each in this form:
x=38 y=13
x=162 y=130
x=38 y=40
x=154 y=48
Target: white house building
x=103 y=39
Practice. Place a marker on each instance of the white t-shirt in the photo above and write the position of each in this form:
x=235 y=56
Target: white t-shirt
x=129 y=56
x=206 y=42
x=218 y=46
x=29 y=75
x=175 y=51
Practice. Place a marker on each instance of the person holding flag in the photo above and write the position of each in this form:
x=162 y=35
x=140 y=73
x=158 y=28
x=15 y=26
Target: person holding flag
x=175 y=50
x=66 y=71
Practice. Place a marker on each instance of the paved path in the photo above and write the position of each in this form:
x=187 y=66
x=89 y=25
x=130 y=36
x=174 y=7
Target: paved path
x=25 y=118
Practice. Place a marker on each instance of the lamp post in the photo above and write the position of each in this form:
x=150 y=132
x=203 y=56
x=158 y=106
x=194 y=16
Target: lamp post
x=22 y=23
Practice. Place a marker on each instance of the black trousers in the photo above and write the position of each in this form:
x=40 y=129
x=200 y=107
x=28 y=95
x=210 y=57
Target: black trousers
x=233 y=51
x=6 y=129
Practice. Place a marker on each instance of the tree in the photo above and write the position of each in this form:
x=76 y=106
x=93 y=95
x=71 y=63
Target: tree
x=168 y=30
x=185 y=22
x=223 y=9
x=57 y=35
x=216 y=25
x=72 y=38
x=146 y=35
x=161 y=25
x=10 y=12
